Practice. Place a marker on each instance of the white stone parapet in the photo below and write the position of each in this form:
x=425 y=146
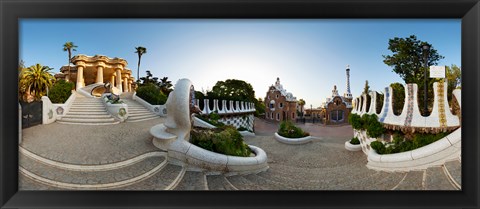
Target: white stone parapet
x=160 y=110
x=54 y=111
x=440 y=117
x=235 y=107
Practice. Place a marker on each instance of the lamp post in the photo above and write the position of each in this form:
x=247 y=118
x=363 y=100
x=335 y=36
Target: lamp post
x=426 y=49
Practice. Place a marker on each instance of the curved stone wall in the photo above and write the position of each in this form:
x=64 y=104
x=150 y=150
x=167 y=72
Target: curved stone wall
x=440 y=118
x=286 y=140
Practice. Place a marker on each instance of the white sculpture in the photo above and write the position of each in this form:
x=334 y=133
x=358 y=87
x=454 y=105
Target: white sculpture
x=173 y=137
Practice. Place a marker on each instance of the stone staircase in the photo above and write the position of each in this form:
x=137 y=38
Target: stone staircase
x=137 y=112
x=88 y=111
x=154 y=173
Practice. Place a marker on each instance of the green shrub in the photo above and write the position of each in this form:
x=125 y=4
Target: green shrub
x=399 y=144
x=151 y=94
x=378 y=146
x=60 y=91
x=226 y=140
x=356 y=121
x=367 y=122
x=354 y=141
x=289 y=130
x=212 y=119
x=373 y=126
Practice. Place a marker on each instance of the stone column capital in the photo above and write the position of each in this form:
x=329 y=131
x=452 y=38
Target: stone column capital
x=80 y=64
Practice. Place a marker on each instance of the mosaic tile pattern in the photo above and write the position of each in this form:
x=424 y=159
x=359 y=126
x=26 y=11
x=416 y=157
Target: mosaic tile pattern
x=441 y=105
x=385 y=106
x=408 y=119
x=246 y=121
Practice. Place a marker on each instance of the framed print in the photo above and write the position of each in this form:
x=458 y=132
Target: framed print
x=239 y=104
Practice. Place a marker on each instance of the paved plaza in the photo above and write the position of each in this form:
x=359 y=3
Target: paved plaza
x=122 y=157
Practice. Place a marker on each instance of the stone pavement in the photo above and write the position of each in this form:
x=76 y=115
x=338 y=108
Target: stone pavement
x=323 y=164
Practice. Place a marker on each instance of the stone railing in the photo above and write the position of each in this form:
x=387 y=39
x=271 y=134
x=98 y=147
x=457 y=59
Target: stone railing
x=160 y=110
x=236 y=113
x=441 y=118
x=54 y=111
x=232 y=107
x=119 y=111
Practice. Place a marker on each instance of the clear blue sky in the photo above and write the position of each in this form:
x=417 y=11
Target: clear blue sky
x=309 y=56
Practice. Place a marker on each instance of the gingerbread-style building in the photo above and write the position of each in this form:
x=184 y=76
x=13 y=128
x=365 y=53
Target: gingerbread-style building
x=280 y=104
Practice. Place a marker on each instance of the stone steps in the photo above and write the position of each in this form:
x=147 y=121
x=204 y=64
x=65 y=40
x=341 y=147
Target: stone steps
x=88 y=111
x=137 y=112
x=219 y=182
x=193 y=181
x=437 y=179
x=165 y=179
x=63 y=178
x=413 y=180
x=241 y=183
x=454 y=172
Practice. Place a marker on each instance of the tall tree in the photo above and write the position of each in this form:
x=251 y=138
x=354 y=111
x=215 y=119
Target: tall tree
x=69 y=47
x=408 y=60
x=232 y=89
x=366 y=89
x=149 y=78
x=301 y=103
x=165 y=85
x=453 y=75
x=36 y=80
x=140 y=50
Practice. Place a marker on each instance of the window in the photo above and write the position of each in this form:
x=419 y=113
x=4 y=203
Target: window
x=293 y=115
x=276 y=96
x=280 y=105
x=271 y=115
x=272 y=105
x=278 y=116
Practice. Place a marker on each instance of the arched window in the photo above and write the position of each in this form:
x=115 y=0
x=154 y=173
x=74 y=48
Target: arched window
x=280 y=105
x=278 y=116
x=293 y=115
x=272 y=105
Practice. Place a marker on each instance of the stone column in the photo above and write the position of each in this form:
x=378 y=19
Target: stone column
x=112 y=80
x=119 y=79
x=125 y=84
x=80 y=82
x=129 y=86
x=99 y=74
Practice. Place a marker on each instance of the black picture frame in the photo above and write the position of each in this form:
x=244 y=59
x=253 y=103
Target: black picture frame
x=11 y=11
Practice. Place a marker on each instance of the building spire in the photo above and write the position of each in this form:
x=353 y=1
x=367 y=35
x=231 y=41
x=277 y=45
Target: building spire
x=348 y=94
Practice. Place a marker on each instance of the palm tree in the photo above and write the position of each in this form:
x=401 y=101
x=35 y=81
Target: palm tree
x=36 y=79
x=165 y=85
x=301 y=102
x=69 y=46
x=140 y=51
